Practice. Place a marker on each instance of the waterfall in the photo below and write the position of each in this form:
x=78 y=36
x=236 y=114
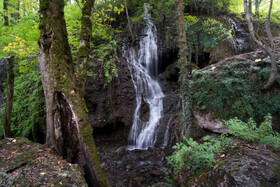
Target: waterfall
x=241 y=36
x=144 y=71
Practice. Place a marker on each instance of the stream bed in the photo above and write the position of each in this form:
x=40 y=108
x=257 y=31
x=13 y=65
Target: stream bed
x=133 y=168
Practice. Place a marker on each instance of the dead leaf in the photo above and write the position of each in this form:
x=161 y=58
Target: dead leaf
x=258 y=60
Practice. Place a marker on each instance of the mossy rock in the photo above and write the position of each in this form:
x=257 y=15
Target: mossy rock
x=25 y=163
x=233 y=88
x=242 y=164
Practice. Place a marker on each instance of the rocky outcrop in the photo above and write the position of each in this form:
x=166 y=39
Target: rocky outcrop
x=24 y=163
x=224 y=49
x=243 y=164
x=210 y=123
x=110 y=103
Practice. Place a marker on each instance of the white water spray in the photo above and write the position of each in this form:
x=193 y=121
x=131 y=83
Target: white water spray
x=144 y=70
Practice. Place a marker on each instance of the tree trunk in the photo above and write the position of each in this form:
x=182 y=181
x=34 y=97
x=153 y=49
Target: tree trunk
x=68 y=129
x=269 y=49
x=84 y=48
x=6 y=12
x=184 y=71
x=129 y=25
x=257 y=8
x=272 y=52
x=250 y=6
x=16 y=6
x=9 y=97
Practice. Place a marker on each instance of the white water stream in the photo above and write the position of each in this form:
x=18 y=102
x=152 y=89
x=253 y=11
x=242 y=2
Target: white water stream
x=240 y=35
x=144 y=70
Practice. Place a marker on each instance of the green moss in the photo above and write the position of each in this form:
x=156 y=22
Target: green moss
x=229 y=91
x=86 y=133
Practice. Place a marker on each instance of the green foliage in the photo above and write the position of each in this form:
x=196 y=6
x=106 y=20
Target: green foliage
x=191 y=157
x=163 y=12
x=107 y=53
x=102 y=31
x=28 y=114
x=20 y=40
x=73 y=16
x=249 y=131
x=229 y=91
x=205 y=32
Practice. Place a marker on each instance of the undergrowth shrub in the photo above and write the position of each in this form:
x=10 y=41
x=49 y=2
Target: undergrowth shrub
x=107 y=53
x=191 y=157
x=229 y=91
x=28 y=113
x=249 y=131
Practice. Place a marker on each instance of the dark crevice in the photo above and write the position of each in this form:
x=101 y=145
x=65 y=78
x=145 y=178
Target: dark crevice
x=17 y=167
x=167 y=59
x=111 y=131
x=203 y=60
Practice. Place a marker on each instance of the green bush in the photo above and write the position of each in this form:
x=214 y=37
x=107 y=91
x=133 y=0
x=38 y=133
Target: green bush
x=107 y=53
x=230 y=92
x=191 y=157
x=249 y=131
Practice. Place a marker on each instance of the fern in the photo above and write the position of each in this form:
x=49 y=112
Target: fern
x=249 y=131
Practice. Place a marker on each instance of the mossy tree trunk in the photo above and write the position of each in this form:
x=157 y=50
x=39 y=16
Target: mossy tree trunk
x=184 y=71
x=84 y=48
x=9 y=96
x=257 y=5
x=270 y=49
x=128 y=21
x=68 y=129
x=6 y=12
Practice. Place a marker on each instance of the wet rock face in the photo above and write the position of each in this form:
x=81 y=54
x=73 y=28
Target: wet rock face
x=111 y=104
x=144 y=110
x=172 y=104
x=244 y=165
x=131 y=168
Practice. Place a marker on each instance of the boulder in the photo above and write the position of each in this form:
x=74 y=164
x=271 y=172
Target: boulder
x=110 y=102
x=208 y=122
x=223 y=50
x=243 y=165
x=24 y=163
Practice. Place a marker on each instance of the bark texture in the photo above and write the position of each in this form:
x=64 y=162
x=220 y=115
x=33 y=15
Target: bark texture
x=5 y=14
x=129 y=25
x=68 y=128
x=84 y=48
x=184 y=71
x=270 y=49
x=9 y=97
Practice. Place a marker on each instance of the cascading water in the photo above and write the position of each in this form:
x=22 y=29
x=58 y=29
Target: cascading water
x=144 y=70
x=241 y=36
